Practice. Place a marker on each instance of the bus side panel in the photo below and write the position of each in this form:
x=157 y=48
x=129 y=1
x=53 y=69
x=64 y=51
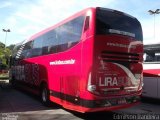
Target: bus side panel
x=65 y=74
x=71 y=74
x=27 y=74
x=74 y=77
x=87 y=62
x=87 y=55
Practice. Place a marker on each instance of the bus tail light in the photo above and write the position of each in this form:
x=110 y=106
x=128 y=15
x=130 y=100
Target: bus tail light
x=91 y=87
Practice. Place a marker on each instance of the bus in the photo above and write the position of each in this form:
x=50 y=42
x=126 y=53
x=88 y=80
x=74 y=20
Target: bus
x=91 y=61
x=151 y=71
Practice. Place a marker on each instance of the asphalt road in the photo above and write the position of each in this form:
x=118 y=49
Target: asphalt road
x=17 y=105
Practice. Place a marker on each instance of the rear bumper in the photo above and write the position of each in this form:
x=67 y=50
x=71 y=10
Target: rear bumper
x=94 y=105
x=110 y=102
x=111 y=108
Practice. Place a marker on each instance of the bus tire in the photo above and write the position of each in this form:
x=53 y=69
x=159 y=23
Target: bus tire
x=45 y=95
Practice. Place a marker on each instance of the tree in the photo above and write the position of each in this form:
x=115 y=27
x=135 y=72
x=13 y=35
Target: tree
x=4 y=55
x=11 y=47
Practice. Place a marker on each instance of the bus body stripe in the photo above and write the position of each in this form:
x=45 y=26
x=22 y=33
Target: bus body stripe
x=93 y=103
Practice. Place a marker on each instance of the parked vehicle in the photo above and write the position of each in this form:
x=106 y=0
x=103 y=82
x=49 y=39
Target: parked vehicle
x=90 y=62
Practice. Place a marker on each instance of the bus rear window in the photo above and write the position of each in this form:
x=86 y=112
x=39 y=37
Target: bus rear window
x=115 y=22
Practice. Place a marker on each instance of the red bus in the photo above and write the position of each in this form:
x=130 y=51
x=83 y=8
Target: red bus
x=151 y=71
x=90 y=62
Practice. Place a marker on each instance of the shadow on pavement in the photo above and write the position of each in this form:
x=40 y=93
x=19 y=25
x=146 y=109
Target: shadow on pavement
x=95 y=116
x=28 y=106
x=151 y=100
x=13 y=100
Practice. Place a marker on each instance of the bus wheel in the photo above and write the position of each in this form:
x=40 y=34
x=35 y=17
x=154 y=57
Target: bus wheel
x=45 y=95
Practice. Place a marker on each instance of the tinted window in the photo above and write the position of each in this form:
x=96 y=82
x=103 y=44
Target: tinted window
x=50 y=42
x=28 y=45
x=59 y=39
x=70 y=33
x=114 y=22
x=37 y=43
x=37 y=47
x=16 y=53
x=27 y=53
x=15 y=50
x=86 y=23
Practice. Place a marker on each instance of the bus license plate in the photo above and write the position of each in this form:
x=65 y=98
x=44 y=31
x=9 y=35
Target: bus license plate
x=122 y=101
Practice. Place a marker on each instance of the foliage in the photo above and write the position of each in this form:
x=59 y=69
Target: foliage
x=4 y=55
x=4 y=76
x=11 y=47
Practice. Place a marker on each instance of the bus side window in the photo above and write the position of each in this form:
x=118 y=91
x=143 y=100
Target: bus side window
x=86 y=23
x=37 y=47
x=27 y=53
x=50 y=43
x=70 y=33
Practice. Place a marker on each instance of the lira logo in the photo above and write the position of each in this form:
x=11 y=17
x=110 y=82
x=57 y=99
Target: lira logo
x=108 y=81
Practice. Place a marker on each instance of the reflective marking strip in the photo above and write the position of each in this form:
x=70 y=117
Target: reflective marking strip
x=128 y=72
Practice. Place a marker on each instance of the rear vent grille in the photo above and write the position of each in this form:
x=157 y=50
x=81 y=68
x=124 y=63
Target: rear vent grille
x=110 y=56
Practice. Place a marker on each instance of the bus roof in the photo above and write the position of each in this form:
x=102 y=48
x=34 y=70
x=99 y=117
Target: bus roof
x=60 y=23
x=72 y=17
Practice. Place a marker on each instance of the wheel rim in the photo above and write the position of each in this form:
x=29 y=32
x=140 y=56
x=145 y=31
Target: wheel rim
x=44 y=95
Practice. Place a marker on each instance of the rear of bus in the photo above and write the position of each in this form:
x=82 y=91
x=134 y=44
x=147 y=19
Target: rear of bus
x=115 y=78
